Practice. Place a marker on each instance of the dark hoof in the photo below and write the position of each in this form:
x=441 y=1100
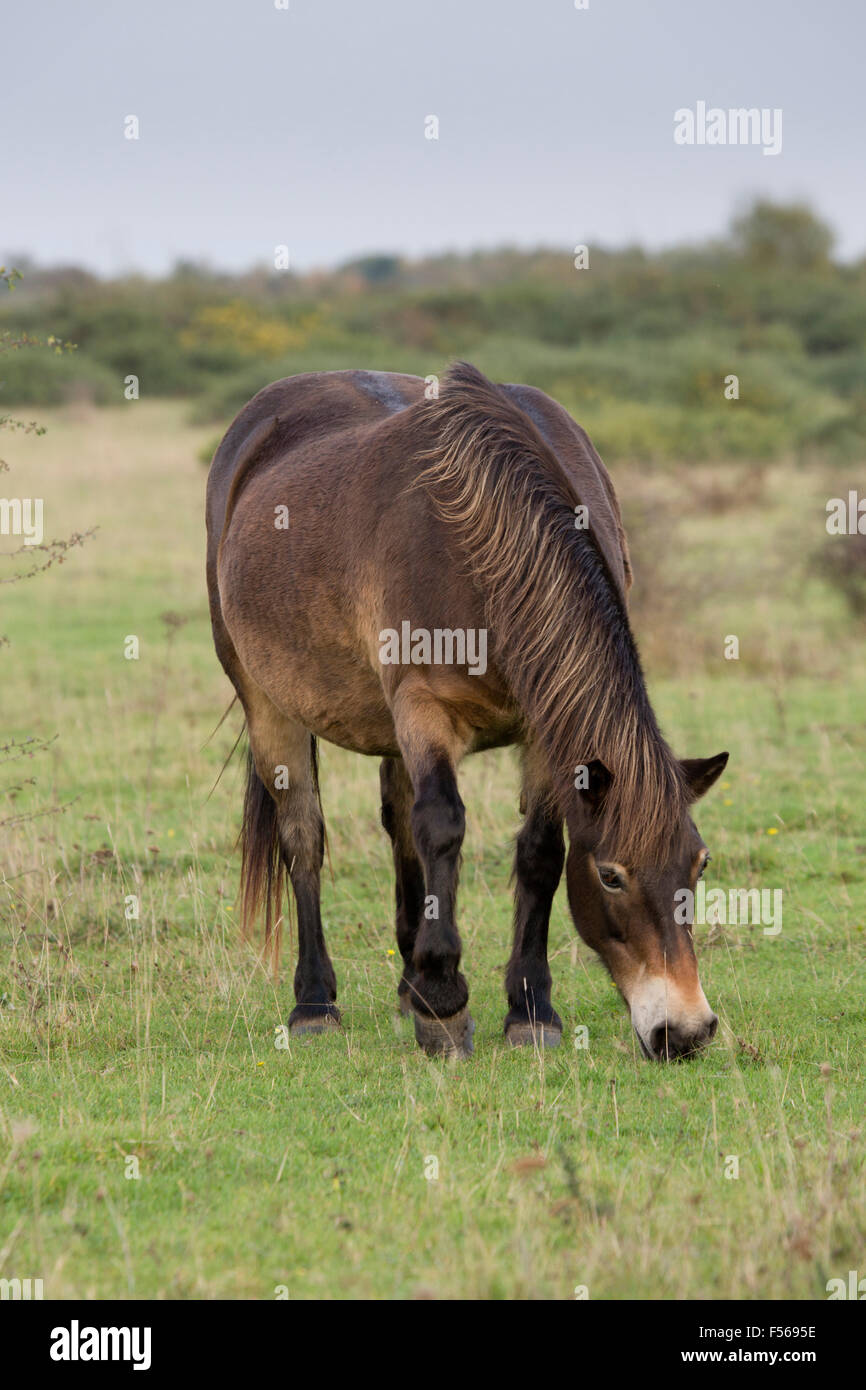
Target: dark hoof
x=533 y=1034
x=446 y=1037
x=313 y=1019
x=404 y=1005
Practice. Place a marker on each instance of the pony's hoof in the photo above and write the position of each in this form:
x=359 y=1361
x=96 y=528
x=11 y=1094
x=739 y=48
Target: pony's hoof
x=533 y=1035
x=304 y=1021
x=446 y=1037
x=404 y=1002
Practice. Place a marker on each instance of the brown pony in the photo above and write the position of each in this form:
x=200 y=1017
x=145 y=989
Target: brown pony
x=418 y=579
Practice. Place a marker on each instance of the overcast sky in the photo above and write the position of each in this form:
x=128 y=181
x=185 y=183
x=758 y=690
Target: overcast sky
x=306 y=127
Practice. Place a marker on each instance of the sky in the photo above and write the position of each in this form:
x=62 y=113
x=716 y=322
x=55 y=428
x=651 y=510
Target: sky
x=307 y=126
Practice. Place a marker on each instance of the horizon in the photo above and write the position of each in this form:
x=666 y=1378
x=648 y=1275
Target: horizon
x=719 y=240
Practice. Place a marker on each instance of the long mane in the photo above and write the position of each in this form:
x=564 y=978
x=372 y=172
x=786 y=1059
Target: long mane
x=557 y=621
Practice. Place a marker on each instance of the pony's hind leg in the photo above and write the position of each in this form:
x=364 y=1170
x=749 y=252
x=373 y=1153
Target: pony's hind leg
x=397 y=799
x=431 y=749
x=538 y=862
x=284 y=757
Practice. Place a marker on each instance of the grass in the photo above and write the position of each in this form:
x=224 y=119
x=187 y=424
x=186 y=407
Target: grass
x=310 y=1169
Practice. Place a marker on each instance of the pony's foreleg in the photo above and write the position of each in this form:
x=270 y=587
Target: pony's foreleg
x=397 y=799
x=431 y=748
x=538 y=862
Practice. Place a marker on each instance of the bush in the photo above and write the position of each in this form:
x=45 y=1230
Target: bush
x=38 y=376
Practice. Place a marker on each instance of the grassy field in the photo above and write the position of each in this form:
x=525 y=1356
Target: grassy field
x=353 y=1166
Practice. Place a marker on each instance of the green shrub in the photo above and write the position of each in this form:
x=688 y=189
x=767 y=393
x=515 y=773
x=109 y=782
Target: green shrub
x=38 y=376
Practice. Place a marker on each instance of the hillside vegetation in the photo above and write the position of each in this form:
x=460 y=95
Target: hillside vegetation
x=639 y=346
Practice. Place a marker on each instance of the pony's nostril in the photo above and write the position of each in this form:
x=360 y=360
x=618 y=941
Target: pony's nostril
x=663 y=1042
x=668 y=1042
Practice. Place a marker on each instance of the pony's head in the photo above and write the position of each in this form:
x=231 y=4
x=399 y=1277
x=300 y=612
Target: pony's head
x=628 y=913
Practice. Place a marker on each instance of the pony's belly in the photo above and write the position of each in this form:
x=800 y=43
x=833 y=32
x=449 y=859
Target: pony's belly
x=340 y=702
x=498 y=736
x=373 y=736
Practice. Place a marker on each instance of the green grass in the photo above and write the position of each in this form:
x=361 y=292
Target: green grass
x=305 y=1167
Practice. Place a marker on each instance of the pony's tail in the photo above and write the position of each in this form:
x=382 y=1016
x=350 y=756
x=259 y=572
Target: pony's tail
x=262 y=869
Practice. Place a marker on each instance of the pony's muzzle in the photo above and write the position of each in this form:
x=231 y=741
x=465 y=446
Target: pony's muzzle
x=671 y=1022
x=669 y=1043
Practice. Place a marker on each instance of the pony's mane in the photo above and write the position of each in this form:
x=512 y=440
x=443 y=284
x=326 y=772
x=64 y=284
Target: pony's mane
x=557 y=620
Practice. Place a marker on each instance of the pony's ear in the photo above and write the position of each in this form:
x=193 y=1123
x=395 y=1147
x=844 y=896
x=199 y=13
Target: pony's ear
x=598 y=779
x=701 y=773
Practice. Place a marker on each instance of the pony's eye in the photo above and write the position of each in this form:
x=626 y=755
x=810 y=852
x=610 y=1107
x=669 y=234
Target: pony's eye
x=610 y=879
x=703 y=866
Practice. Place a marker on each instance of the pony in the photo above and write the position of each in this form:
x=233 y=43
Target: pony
x=416 y=575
